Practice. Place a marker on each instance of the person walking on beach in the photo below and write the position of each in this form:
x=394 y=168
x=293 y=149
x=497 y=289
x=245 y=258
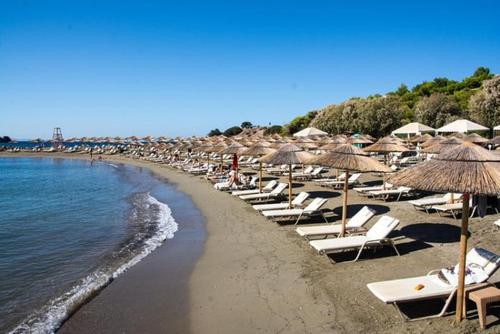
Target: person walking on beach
x=91 y=154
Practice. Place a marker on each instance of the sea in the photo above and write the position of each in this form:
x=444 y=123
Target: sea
x=69 y=227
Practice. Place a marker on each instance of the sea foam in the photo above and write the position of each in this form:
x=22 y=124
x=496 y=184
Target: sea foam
x=50 y=317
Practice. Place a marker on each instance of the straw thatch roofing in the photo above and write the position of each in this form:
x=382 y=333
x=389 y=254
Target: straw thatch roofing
x=257 y=150
x=495 y=141
x=476 y=139
x=443 y=145
x=386 y=145
x=466 y=168
x=433 y=141
x=348 y=157
x=234 y=148
x=310 y=132
x=420 y=138
x=462 y=126
x=413 y=128
x=287 y=154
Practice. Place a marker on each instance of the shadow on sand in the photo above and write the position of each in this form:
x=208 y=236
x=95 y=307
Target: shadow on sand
x=432 y=232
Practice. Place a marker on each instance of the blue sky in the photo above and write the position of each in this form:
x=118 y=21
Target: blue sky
x=171 y=68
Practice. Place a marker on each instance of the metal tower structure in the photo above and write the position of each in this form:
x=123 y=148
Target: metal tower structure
x=57 y=137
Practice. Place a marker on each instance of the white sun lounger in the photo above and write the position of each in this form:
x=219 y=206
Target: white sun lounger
x=331 y=179
x=276 y=192
x=375 y=237
x=267 y=188
x=401 y=291
x=454 y=208
x=353 y=179
x=427 y=203
x=497 y=223
x=363 y=191
x=297 y=202
x=388 y=193
x=314 y=208
x=355 y=224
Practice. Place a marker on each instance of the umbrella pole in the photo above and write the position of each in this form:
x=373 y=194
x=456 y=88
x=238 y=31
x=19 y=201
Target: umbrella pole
x=290 y=186
x=260 y=176
x=221 y=162
x=463 y=250
x=344 y=203
x=208 y=164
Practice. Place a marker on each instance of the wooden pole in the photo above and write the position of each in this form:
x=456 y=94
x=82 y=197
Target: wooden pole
x=208 y=163
x=290 y=186
x=464 y=234
x=344 y=203
x=260 y=176
x=221 y=162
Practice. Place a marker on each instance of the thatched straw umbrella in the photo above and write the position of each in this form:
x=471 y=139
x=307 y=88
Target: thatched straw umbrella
x=443 y=145
x=258 y=150
x=495 y=141
x=287 y=154
x=386 y=145
x=349 y=158
x=476 y=139
x=466 y=168
x=432 y=141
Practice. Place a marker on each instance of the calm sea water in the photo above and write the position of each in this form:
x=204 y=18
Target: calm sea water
x=67 y=228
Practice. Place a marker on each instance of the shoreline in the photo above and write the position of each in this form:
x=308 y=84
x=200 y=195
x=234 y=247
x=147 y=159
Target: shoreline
x=258 y=277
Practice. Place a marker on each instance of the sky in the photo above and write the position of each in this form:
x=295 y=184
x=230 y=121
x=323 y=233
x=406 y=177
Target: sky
x=121 y=68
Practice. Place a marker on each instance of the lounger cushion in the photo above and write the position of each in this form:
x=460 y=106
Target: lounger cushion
x=282 y=213
x=403 y=290
x=318 y=230
x=325 y=245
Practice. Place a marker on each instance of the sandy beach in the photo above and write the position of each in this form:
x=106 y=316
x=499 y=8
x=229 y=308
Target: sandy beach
x=255 y=276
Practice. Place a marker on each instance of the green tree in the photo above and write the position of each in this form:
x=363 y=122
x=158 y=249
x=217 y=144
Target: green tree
x=232 y=131
x=274 y=129
x=485 y=105
x=214 y=132
x=437 y=109
x=246 y=125
x=300 y=122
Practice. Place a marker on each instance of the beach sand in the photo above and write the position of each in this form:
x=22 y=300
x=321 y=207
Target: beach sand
x=255 y=276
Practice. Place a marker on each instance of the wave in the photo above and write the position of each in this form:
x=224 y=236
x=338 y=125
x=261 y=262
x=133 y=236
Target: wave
x=112 y=165
x=50 y=317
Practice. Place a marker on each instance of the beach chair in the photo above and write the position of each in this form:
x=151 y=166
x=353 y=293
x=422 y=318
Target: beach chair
x=427 y=203
x=330 y=179
x=267 y=188
x=313 y=209
x=434 y=285
x=316 y=172
x=452 y=208
x=353 y=179
x=363 y=191
x=275 y=193
x=354 y=225
x=308 y=170
x=376 y=236
x=497 y=223
x=390 y=193
x=297 y=202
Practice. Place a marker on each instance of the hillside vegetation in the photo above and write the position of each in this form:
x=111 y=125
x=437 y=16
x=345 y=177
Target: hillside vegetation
x=433 y=103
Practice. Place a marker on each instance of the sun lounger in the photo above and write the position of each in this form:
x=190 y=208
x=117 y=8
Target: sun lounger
x=427 y=203
x=275 y=193
x=453 y=208
x=298 y=201
x=363 y=191
x=497 y=223
x=313 y=173
x=314 y=208
x=267 y=188
x=375 y=237
x=355 y=224
x=434 y=286
x=353 y=179
x=331 y=179
x=389 y=193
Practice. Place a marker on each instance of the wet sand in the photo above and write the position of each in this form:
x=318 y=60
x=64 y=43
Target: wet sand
x=255 y=276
